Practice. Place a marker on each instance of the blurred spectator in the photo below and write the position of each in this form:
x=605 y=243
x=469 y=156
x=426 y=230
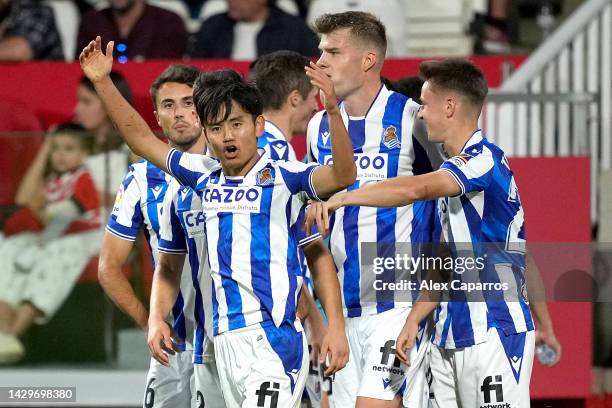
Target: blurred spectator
x=251 y=28
x=109 y=160
x=50 y=239
x=140 y=30
x=409 y=86
x=28 y=32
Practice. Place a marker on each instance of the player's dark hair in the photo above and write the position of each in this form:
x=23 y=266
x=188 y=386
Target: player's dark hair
x=278 y=74
x=457 y=75
x=179 y=73
x=120 y=82
x=216 y=90
x=363 y=26
x=409 y=86
x=76 y=132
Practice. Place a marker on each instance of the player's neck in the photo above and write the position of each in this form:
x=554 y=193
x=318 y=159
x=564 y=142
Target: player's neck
x=458 y=137
x=282 y=121
x=357 y=103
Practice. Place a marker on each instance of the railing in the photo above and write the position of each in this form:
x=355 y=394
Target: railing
x=559 y=102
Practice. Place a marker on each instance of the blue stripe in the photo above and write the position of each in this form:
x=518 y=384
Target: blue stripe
x=514 y=347
x=179 y=318
x=387 y=217
x=230 y=286
x=350 y=222
x=447 y=322
x=322 y=147
x=287 y=343
x=260 y=250
x=128 y=235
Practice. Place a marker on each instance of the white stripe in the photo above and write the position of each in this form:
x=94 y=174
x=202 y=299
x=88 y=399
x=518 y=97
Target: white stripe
x=120 y=235
x=279 y=237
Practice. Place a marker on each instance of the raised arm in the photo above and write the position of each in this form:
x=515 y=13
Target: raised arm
x=29 y=193
x=132 y=127
x=328 y=180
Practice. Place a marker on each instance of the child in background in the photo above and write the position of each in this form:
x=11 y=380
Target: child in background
x=58 y=199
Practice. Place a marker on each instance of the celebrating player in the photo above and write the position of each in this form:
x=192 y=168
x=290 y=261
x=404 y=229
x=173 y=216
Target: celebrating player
x=382 y=128
x=483 y=351
x=250 y=203
x=138 y=204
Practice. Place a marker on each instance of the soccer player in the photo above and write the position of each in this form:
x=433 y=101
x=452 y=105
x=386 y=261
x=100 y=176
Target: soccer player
x=483 y=352
x=289 y=100
x=138 y=205
x=251 y=204
x=384 y=134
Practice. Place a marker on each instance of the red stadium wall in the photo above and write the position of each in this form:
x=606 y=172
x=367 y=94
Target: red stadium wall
x=33 y=96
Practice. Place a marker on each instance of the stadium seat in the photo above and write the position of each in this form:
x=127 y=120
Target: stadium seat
x=67 y=20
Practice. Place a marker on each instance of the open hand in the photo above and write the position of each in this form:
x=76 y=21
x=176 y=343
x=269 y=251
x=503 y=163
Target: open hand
x=94 y=63
x=320 y=79
x=406 y=340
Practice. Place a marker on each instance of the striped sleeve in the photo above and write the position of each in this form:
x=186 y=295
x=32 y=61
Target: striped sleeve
x=298 y=177
x=126 y=217
x=171 y=233
x=188 y=168
x=472 y=173
x=301 y=236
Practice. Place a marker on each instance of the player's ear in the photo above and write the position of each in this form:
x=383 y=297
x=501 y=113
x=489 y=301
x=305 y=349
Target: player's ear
x=450 y=105
x=196 y=117
x=157 y=117
x=369 y=61
x=294 y=98
x=260 y=124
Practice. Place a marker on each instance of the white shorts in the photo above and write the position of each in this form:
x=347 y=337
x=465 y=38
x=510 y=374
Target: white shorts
x=207 y=384
x=492 y=374
x=171 y=386
x=372 y=370
x=262 y=365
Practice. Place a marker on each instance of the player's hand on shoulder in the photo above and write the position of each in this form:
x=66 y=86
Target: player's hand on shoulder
x=320 y=79
x=159 y=339
x=406 y=340
x=334 y=350
x=95 y=64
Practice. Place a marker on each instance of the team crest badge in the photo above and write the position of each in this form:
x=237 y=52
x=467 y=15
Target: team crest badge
x=265 y=177
x=390 y=139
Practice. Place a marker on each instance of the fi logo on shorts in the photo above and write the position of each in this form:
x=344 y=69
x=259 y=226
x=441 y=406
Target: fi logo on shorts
x=268 y=389
x=488 y=387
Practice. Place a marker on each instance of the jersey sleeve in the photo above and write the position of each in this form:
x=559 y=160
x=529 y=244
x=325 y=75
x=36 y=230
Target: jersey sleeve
x=85 y=195
x=126 y=217
x=188 y=168
x=171 y=233
x=301 y=236
x=298 y=177
x=471 y=172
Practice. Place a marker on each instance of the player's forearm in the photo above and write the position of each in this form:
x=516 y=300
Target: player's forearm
x=165 y=288
x=313 y=317
x=118 y=288
x=537 y=293
x=344 y=170
x=395 y=192
x=132 y=127
x=327 y=287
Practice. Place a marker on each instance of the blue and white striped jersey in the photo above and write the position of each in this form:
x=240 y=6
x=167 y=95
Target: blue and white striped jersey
x=385 y=146
x=252 y=236
x=486 y=220
x=183 y=231
x=274 y=142
x=139 y=204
